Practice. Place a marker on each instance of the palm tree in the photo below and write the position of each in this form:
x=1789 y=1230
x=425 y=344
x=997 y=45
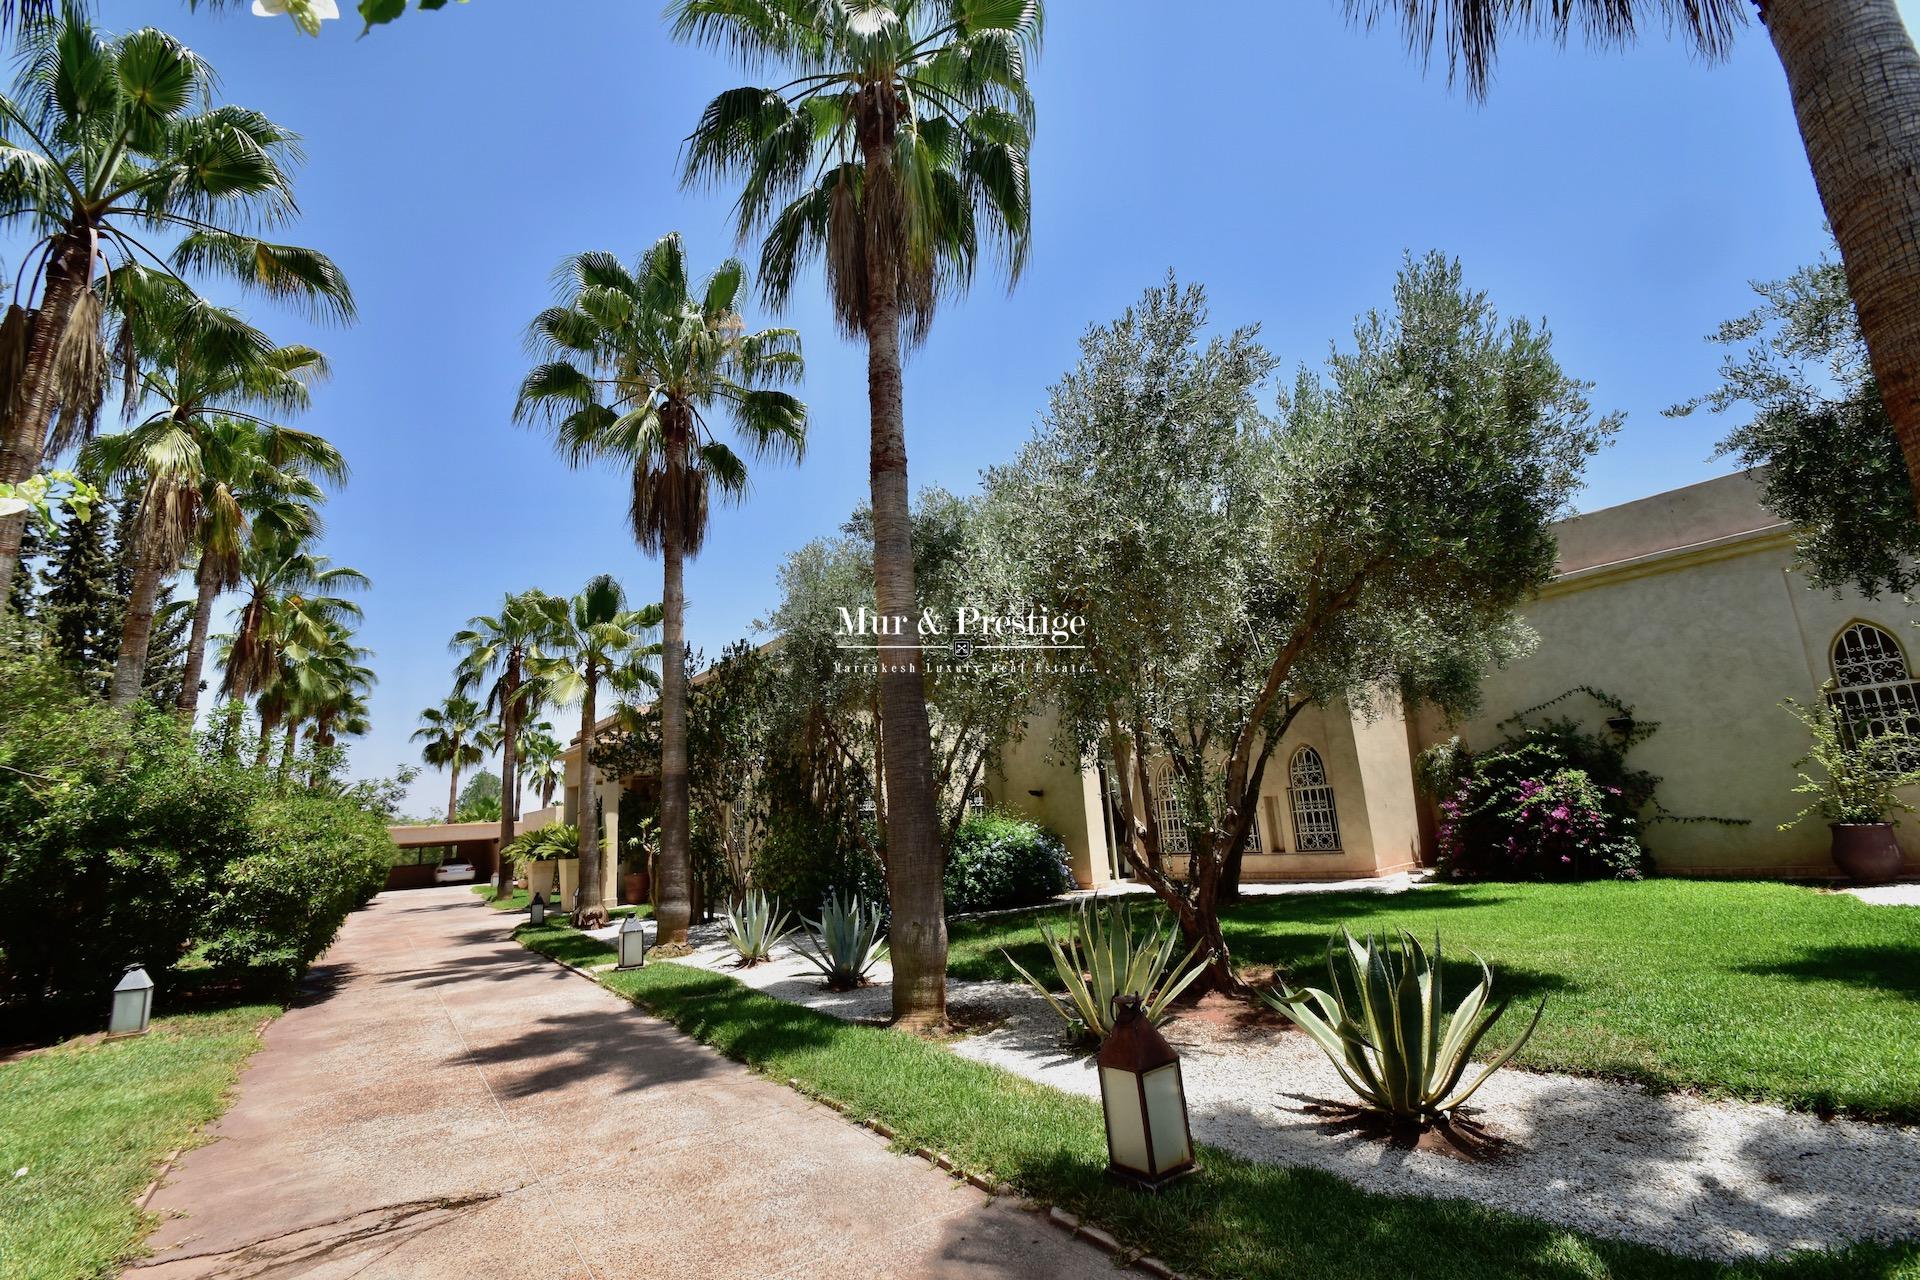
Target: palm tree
x=450 y=733
x=502 y=650
x=140 y=151
x=598 y=639
x=292 y=592
x=242 y=489
x=899 y=140
x=540 y=760
x=209 y=369
x=319 y=685
x=1853 y=75
x=637 y=366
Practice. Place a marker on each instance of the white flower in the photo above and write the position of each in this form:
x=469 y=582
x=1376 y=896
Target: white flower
x=306 y=14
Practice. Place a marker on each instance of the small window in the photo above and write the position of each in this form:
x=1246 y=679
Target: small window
x=1171 y=816
x=1316 y=820
x=976 y=802
x=1873 y=690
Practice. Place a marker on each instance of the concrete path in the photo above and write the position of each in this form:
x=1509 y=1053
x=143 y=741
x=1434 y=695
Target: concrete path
x=450 y=1105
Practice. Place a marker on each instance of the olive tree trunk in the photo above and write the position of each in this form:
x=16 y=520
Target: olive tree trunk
x=590 y=909
x=1855 y=81
x=207 y=590
x=23 y=431
x=673 y=891
x=917 y=941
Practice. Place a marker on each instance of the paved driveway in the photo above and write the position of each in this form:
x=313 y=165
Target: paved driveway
x=450 y=1105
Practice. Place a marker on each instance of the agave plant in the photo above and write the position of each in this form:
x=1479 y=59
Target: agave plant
x=754 y=924
x=1108 y=955
x=848 y=941
x=1383 y=1024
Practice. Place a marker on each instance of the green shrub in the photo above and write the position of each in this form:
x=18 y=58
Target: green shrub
x=1003 y=860
x=126 y=843
x=116 y=834
x=803 y=860
x=313 y=859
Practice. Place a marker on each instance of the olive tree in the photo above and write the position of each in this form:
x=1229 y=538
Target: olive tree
x=1368 y=543
x=1798 y=363
x=975 y=702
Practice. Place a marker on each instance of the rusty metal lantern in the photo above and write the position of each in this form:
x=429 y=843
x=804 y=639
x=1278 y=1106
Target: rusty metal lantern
x=1149 y=1142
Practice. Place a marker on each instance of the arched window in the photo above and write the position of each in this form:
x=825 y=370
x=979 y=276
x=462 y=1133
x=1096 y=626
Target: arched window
x=1873 y=690
x=1316 y=820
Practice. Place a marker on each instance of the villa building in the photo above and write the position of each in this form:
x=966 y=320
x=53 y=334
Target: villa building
x=1688 y=606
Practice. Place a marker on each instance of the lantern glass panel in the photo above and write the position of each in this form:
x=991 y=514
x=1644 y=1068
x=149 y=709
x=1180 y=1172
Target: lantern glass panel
x=633 y=943
x=1126 y=1124
x=1167 y=1109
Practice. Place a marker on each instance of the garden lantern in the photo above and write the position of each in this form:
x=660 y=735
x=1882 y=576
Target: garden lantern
x=633 y=942
x=537 y=910
x=1148 y=1140
x=132 y=1003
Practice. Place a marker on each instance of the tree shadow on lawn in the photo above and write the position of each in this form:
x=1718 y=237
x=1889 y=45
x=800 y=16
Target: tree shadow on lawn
x=1893 y=968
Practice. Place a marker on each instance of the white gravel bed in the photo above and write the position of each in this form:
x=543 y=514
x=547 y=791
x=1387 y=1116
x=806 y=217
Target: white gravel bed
x=1904 y=893
x=1720 y=1179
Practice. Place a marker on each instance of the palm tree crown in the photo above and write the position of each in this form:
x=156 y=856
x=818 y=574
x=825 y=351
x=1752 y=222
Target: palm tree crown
x=104 y=143
x=449 y=734
x=1471 y=30
x=900 y=140
x=637 y=366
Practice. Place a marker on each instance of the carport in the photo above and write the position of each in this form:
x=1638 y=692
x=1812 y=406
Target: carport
x=477 y=843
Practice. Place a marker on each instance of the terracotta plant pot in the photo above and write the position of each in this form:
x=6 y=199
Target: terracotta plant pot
x=634 y=885
x=1866 y=851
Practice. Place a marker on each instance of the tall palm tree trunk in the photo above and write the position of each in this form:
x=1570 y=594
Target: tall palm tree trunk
x=591 y=910
x=130 y=668
x=23 y=436
x=673 y=894
x=292 y=743
x=917 y=939
x=453 y=790
x=1855 y=81
x=208 y=588
x=268 y=725
x=509 y=734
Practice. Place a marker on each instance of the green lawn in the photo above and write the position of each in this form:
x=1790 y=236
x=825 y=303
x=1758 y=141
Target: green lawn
x=1757 y=990
x=90 y=1121
x=1237 y=1219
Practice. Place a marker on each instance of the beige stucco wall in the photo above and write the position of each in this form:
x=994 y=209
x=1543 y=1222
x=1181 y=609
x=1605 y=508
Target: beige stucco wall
x=1368 y=765
x=1067 y=800
x=1706 y=641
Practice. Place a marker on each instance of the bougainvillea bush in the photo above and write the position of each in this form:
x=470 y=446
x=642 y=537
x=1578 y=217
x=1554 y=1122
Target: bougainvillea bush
x=1510 y=819
x=1553 y=801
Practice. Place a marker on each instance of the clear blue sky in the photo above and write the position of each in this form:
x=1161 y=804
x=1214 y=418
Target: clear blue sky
x=1265 y=150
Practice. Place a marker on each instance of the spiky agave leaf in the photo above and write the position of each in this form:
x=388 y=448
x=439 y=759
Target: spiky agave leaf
x=1382 y=1026
x=1105 y=956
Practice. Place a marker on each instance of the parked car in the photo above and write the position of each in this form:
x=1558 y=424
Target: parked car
x=453 y=873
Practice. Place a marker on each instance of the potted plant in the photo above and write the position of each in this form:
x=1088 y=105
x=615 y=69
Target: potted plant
x=635 y=882
x=1858 y=794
